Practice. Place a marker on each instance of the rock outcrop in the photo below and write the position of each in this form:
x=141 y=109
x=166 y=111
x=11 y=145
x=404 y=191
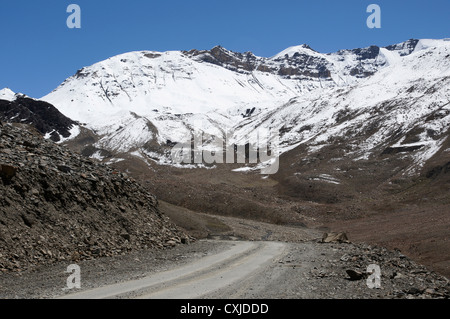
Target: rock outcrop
x=42 y=115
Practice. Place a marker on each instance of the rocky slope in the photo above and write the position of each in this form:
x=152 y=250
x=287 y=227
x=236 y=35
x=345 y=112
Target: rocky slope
x=59 y=206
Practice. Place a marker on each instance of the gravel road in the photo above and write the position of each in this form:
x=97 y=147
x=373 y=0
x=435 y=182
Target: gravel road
x=220 y=269
x=195 y=279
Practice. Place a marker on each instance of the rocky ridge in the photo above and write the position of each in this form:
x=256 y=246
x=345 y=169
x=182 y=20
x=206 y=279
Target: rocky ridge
x=302 y=62
x=43 y=116
x=59 y=206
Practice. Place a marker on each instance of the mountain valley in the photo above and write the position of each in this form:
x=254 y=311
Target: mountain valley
x=362 y=137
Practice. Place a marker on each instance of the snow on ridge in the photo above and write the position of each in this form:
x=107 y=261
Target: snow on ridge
x=171 y=83
x=118 y=97
x=427 y=43
x=301 y=49
x=7 y=94
x=392 y=57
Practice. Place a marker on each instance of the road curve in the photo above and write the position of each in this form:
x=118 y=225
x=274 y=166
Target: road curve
x=196 y=279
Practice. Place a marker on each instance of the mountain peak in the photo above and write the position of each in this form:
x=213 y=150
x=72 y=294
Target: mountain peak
x=297 y=49
x=7 y=94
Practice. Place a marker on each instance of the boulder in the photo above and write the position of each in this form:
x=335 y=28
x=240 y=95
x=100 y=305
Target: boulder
x=340 y=237
x=7 y=172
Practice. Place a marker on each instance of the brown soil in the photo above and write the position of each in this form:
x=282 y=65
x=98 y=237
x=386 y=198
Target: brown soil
x=421 y=233
x=373 y=199
x=373 y=203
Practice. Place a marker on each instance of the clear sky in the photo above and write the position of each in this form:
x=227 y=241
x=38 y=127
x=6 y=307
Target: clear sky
x=38 y=51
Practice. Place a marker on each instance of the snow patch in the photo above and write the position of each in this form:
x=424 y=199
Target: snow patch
x=7 y=94
x=97 y=155
x=326 y=178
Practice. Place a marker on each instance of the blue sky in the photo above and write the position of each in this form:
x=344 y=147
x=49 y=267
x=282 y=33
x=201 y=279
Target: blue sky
x=38 y=51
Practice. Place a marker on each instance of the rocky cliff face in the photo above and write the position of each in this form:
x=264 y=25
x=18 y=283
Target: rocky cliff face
x=302 y=62
x=56 y=205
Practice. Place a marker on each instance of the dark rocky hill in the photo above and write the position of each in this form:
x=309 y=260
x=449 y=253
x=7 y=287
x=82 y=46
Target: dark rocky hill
x=42 y=115
x=56 y=205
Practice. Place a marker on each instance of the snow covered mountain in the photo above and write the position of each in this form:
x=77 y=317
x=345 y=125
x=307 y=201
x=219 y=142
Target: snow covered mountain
x=393 y=99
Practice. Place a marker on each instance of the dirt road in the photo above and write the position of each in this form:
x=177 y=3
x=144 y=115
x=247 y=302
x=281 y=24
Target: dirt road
x=221 y=269
x=198 y=278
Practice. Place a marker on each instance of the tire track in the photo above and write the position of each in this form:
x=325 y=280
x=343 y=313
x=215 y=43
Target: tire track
x=195 y=279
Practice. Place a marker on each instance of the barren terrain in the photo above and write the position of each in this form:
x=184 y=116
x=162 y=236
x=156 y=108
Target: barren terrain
x=218 y=269
x=370 y=204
